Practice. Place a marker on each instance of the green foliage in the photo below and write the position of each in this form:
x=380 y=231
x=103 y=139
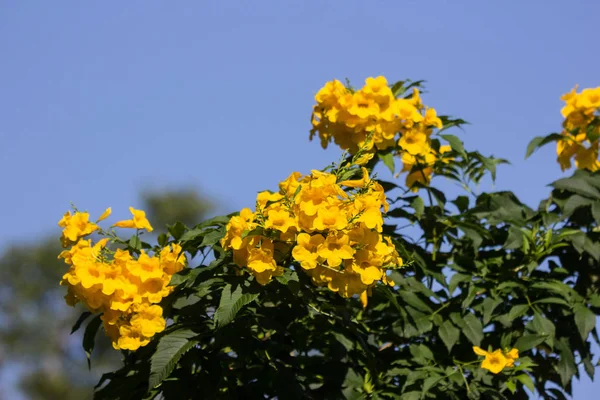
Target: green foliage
x=481 y=270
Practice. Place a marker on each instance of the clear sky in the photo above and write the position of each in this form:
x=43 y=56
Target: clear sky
x=101 y=99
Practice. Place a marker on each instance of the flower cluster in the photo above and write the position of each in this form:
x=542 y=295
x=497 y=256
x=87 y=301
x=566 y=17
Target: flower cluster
x=581 y=130
x=373 y=118
x=334 y=234
x=497 y=360
x=125 y=289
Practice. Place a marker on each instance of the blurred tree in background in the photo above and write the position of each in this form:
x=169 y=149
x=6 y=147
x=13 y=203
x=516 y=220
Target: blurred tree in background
x=35 y=344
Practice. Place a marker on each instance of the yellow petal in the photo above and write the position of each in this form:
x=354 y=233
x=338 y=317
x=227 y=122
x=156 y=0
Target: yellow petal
x=105 y=214
x=128 y=223
x=364 y=299
x=479 y=351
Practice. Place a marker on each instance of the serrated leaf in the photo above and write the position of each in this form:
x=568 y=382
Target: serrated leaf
x=168 y=352
x=89 y=338
x=231 y=303
x=585 y=320
x=449 y=334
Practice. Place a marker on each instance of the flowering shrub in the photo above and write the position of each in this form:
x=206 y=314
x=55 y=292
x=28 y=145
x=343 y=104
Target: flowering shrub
x=319 y=292
x=333 y=234
x=124 y=289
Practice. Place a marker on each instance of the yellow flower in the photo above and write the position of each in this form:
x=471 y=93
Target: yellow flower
x=148 y=320
x=497 y=360
x=335 y=248
x=75 y=226
x=330 y=218
x=414 y=142
x=145 y=267
x=172 y=259
x=431 y=119
x=279 y=220
x=305 y=252
x=138 y=221
x=511 y=356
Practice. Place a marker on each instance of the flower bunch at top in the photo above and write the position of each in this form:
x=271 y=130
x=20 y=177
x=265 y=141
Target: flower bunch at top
x=124 y=288
x=373 y=118
x=331 y=227
x=581 y=130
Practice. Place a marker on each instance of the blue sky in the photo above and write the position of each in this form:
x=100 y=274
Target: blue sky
x=101 y=99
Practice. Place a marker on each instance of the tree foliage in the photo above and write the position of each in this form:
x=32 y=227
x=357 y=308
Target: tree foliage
x=482 y=270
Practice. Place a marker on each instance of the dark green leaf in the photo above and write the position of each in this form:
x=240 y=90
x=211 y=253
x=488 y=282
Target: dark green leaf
x=89 y=338
x=473 y=329
x=539 y=141
x=585 y=320
x=84 y=315
x=527 y=342
x=449 y=334
x=168 y=352
x=231 y=303
x=456 y=144
x=176 y=230
x=135 y=243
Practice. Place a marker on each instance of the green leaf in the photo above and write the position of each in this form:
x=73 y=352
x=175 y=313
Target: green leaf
x=578 y=183
x=231 y=303
x=419 y=206
x=162 y=239
x=288 y=276
x=511 y=385
x=566 y=362
x=552 y=300
x=540 y=141
x=488 y=306
x=168 y=352
x=412 y=395
x=388 y=160
x=84 y=315
x=514 y=239
x=456 y=145
x=135 y=243
x=543 y=326
x=449 y=334
x=526 y=381
x=517 y=311
x=191 y=235
x=89 y=338
x=473 y=329
x=177 y=229
x=528 y=342
x=212 y=237
x=414 y=300
x=585 y=320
